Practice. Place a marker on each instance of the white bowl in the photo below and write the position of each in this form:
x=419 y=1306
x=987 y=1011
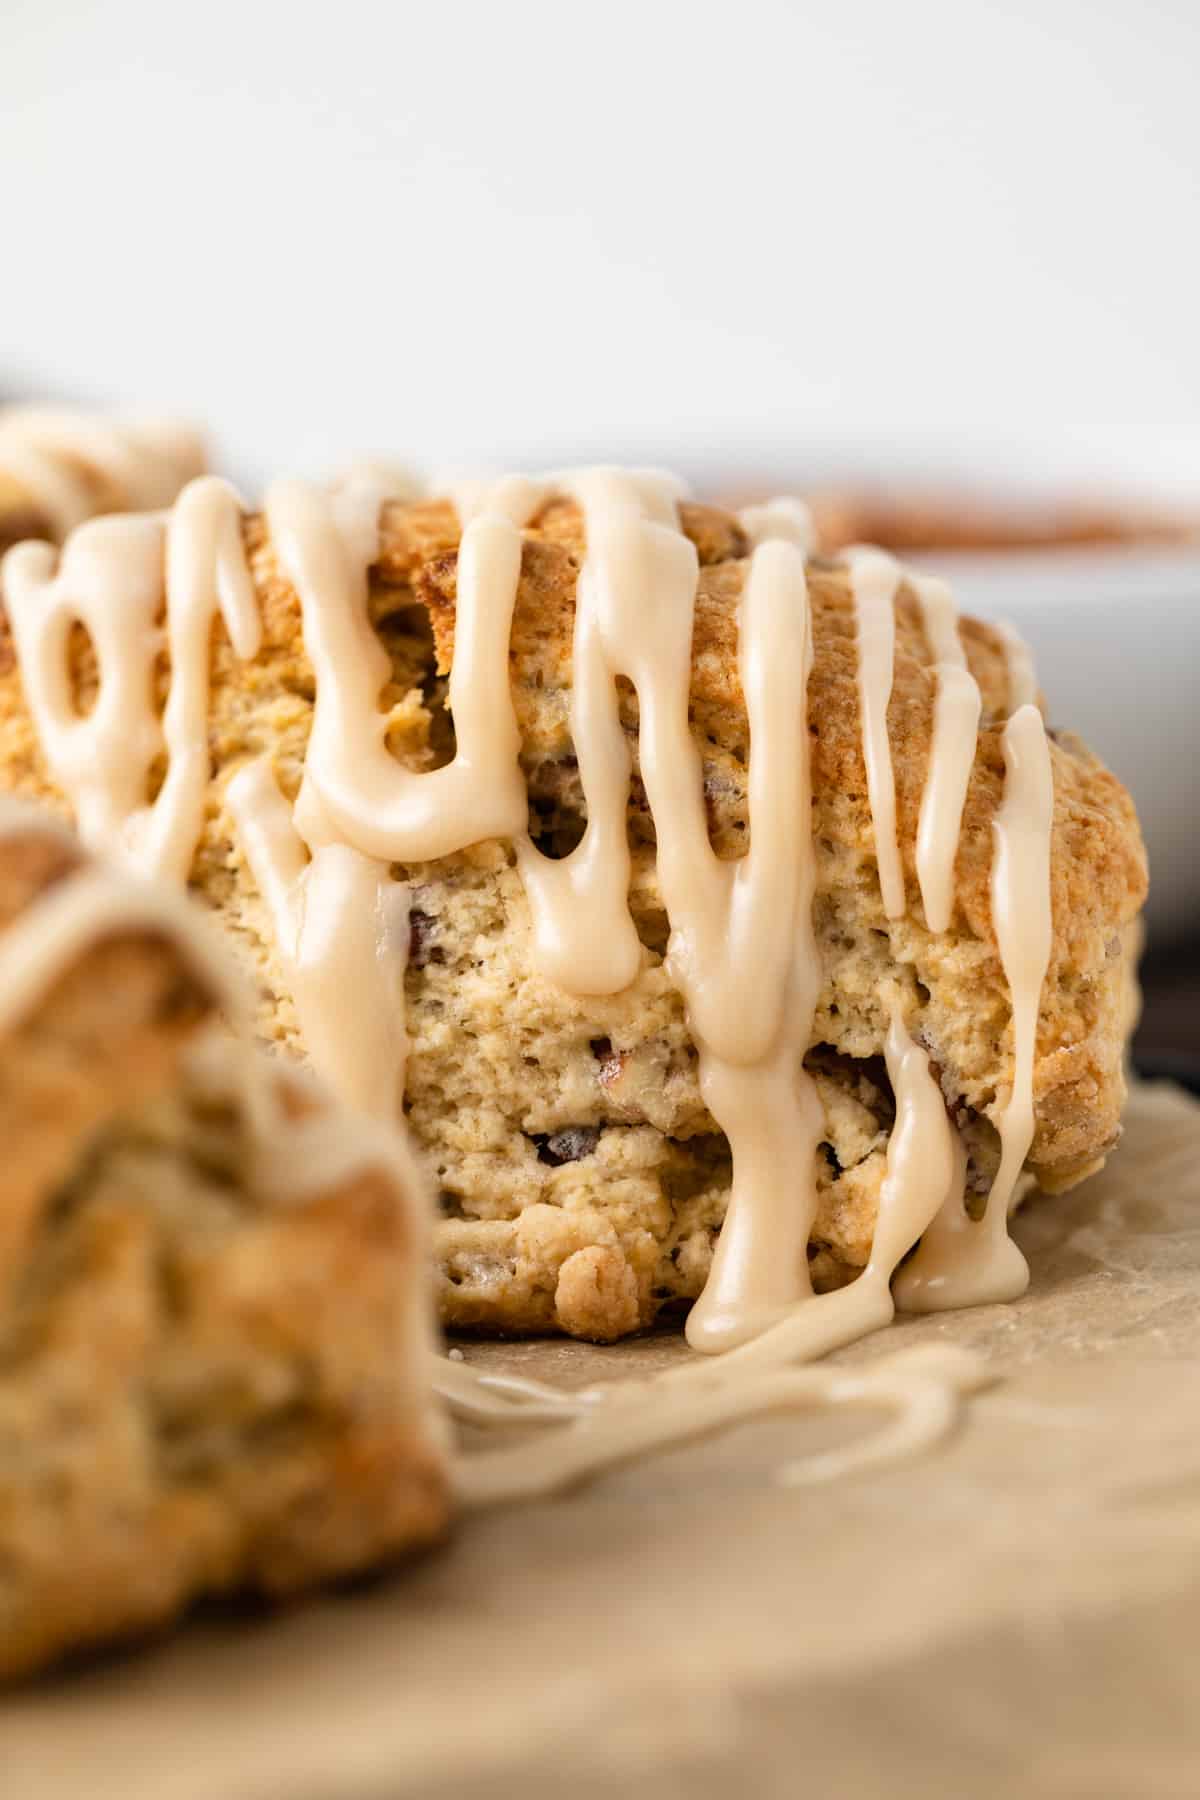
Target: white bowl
x=1116 y=635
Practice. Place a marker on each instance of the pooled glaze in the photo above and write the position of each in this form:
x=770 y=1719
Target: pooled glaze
x=585 y=1434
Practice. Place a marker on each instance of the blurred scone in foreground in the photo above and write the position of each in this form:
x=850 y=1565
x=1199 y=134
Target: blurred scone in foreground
x=214 y=1322
x=59 y=467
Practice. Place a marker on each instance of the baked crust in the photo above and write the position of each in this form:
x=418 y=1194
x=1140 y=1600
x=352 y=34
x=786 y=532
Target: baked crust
x=505 y=1067
x=206 y=1383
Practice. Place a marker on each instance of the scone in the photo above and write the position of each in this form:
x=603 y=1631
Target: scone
x=815 y=824
x=58 y=468
x=213 y=1308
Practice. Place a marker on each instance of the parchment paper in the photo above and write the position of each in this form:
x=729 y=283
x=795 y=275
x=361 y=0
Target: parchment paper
x=1017 y=1613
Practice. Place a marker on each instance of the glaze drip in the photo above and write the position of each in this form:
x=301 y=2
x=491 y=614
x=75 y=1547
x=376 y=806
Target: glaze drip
x=874 y=583
x=741 y=948
x=341 y=927
x=951 y=753
x=114 y=578
x=960 y=1262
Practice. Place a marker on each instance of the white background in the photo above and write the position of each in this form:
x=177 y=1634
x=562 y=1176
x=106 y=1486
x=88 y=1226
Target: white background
x=744 y=239
x=714 y=234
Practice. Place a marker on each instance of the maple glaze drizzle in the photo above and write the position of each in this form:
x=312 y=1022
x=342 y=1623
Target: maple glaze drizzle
x=741 y=947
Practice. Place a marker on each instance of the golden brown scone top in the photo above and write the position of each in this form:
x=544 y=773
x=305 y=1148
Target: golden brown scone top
x=1098 y=860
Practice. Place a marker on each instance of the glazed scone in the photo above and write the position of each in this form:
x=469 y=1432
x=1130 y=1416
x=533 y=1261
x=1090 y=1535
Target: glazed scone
x=583 y=1180
x=58 y=468
x=213 y=1375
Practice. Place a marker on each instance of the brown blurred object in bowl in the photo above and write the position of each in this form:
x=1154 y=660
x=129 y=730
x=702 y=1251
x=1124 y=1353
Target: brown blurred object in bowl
x=914 y=518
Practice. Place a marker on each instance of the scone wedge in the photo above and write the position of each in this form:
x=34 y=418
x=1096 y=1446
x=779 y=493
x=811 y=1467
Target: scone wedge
x=368 y=653
x=214 y=1319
